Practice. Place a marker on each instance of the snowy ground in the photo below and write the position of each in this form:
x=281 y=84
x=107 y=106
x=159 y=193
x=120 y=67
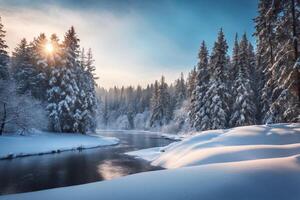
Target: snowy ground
x=254 y=162
x=237 y=144
x=43 y=143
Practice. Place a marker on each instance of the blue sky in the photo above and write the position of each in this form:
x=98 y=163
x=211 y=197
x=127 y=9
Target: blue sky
x=134 y=42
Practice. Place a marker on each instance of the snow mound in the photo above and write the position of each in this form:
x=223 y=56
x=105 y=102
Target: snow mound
x=228 y=145
x=39 y=143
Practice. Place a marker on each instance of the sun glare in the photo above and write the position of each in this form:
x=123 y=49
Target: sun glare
x=49 y=48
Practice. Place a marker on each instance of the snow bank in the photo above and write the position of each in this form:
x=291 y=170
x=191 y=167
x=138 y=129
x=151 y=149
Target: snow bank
x=219 y=146
x=266 y=179
x=43 y=143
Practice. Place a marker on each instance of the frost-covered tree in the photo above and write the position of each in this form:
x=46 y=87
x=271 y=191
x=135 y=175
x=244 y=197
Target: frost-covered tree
x=40 y=64
x=191 y=82
x=22 y=68
x=234 y=60
x=277 y=26
x=90 y=100
x=55 y=93
x=19 y=112
x=63 y=95
x=265 y=24
x=161 y=109
x=217 y=93
x=243 y=111
x=4 y=58
x=198 y=113
x=284 y=105
x=180 y=91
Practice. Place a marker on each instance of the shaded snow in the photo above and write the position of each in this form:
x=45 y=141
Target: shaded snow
x=43 y=143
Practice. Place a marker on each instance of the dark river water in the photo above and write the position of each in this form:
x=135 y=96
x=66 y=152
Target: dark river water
x=78 y=167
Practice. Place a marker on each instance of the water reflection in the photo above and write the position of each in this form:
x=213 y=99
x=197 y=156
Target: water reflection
x=108 y=170
x=73 y=168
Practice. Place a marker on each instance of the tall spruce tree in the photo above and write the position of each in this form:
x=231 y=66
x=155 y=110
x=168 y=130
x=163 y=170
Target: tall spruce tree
x=285 y=106
x=180 y=91
x=243 y=112
x=55 y=93
x=22 y=68
x=265 y=24
x=40 y=64
x=69 y=105
x=218 y=91
x=198 y=114
x=161 y=108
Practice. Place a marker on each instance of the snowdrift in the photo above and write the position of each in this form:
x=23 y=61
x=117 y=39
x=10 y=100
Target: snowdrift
x=229 y=145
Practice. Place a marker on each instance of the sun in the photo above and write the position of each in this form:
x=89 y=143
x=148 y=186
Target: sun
x=49 y=48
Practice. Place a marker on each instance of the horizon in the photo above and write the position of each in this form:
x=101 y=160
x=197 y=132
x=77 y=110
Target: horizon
x=133 y=43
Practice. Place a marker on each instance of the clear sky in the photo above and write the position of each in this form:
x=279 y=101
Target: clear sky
x=133 y=41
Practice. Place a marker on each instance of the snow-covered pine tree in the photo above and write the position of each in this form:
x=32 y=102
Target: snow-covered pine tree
x=22 y=68
x=161 y=107
x=285 y=76
x=55 y=94
x=138 y=106
x=4 y=58
x=191 y=80
x=198 y=113
x=265 y=24
x=180 y=91
x=165 y=101
x=39 y=62
x=90 y=100
x=218 y=86
x=70 y=106
x=234 y=61
x=146 y=97
x=156 y=115
x=243 y=111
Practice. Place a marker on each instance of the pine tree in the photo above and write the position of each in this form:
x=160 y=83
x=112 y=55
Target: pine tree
x=265 y=24
x=284 y=105
x=90 y=94
x=22 y=68
x=155 y=107
x=191 y=82
x=70 y=106
x=243 y=112
x=218 y=91
x=180 y=91
x=4 y=58
x=55 y=93
x=40 y=64
x=198 y=113
x=161 y=112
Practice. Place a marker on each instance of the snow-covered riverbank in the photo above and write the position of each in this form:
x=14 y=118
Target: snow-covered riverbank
x=12 y=146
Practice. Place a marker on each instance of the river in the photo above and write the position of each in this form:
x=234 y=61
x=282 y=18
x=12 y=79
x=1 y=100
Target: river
x=78 y=167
